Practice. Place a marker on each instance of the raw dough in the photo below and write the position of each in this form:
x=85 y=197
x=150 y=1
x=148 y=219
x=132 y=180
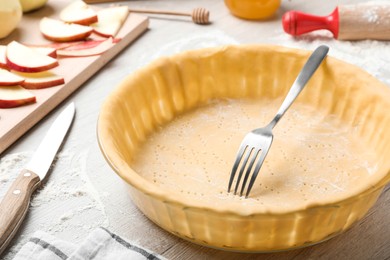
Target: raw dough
x=313 y=158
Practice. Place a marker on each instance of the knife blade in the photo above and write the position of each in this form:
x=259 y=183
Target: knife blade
x=13 y=207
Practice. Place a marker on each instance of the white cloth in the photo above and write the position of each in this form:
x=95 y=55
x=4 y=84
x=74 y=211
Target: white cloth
x=100 y=244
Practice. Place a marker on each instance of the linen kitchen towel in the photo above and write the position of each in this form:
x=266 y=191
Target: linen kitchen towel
x=100 y=244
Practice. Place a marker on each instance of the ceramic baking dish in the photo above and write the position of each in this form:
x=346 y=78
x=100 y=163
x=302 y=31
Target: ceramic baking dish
x=154 y=95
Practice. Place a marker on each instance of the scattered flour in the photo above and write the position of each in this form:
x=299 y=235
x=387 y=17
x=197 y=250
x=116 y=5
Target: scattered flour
x=9 y=166
x=208 y=39
x=371 y=15
x=372 y=10
x=372 y=56
x=68 y=187
x=191 y=41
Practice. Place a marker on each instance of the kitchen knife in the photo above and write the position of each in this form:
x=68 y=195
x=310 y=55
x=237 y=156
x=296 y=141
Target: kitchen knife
x=13 y=207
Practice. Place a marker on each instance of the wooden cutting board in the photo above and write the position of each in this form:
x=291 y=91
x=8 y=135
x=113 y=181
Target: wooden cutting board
x=14 y=122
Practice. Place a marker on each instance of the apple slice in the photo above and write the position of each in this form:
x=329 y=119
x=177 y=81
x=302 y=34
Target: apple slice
x=40 y=80
x=15 y=96
x=83 y=44
x=48 y=51
x=78 y=12
x=110 y=20
x=59 y=31
x=24 y=59
x=88 y=44
x=97 y=50
x=9 y=79
x=55 y=45
x=3 y=61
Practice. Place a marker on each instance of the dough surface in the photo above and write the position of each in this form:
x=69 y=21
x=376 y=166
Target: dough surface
x=313 y=158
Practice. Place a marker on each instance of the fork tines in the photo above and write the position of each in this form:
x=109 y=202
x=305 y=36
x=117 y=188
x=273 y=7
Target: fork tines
x=253 y=155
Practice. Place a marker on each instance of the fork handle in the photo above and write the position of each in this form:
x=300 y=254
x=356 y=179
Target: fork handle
x=307 y=71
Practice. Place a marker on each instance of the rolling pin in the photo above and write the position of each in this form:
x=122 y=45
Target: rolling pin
x=346 y=22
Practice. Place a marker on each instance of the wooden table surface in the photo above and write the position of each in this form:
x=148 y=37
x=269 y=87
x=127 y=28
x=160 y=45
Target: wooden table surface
x=83 y=193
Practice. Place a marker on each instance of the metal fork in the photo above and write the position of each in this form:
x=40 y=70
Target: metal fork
x=255 y=145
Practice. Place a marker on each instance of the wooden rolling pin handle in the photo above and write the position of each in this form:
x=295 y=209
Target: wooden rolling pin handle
x=297 y=23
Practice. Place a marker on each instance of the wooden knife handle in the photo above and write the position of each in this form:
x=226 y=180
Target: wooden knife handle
x=13 y=207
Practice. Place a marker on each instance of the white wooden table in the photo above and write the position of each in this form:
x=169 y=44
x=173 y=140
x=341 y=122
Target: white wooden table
x=83 y=193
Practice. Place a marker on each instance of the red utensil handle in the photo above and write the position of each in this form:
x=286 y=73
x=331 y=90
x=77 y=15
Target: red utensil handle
x=297 y=23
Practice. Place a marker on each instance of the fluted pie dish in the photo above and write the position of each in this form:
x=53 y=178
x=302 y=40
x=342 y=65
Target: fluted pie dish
x=171 y=130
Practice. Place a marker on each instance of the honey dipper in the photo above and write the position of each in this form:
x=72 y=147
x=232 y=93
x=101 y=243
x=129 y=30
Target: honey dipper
x=198 y=15
x=346 y=22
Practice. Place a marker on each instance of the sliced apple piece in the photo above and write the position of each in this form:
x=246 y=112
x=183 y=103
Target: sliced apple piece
x=40 y=80
x=48 y=51
x=55 y=45
x=110 y=20
x=15 y=96
x=3 y=61
x=88 y=44
x=78 y=12
x=59 y=31
x=97 y=50
x=24 y=59
x=83 y=44
x=9 y=79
